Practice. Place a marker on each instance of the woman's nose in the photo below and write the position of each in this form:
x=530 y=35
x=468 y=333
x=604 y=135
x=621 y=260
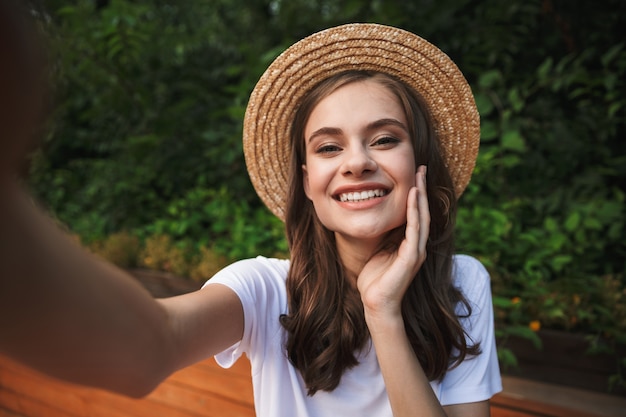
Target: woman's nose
x=358 y=162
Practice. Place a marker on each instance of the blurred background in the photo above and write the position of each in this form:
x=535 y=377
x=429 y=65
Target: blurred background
x=143 y=161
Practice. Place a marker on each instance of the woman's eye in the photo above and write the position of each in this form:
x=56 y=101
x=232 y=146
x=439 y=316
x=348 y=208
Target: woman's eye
x=386 y=140
x=327 y=149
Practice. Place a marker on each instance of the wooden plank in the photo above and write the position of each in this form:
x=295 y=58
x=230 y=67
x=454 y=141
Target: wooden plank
x=199 y=402
x=170 y=399
x=207 y=390
x=529 y=407
x=47 y=392
x=26 y=407
x=99 y=406
x=103 y=403
x=209 y=377
x=7 y=413
x=497 y=411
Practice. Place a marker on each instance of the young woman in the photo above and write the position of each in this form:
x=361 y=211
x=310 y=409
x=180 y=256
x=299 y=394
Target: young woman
x=362 y=138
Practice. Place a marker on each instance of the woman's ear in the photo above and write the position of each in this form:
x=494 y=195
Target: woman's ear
x=305 y=181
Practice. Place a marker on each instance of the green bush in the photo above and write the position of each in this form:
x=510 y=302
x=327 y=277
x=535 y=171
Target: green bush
x=121 y=248
x=161 y=254
x=206 y=264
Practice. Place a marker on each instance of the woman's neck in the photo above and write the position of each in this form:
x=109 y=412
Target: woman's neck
x=354 y=254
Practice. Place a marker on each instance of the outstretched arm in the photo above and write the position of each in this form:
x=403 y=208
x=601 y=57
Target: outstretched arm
x=70 y=315
x=62 y=310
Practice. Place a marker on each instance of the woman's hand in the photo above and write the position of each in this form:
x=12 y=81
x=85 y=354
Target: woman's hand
x=387 y=275
x=382 y=284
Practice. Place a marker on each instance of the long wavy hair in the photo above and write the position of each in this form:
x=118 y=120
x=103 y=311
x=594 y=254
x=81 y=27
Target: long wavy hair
x=325 y=321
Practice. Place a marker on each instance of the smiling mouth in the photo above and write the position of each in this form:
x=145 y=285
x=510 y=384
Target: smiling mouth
x=361 y=195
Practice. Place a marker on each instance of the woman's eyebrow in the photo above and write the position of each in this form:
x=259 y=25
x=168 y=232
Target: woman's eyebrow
x=387 y=122
x=325 y=131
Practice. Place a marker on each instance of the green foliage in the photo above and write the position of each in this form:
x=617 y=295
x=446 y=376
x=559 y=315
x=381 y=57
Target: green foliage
x=206 y=264
x=143 y=114
x=162 y=254
x=214 y=218
x=546 y=207
x=151 y=97
x=121 y=248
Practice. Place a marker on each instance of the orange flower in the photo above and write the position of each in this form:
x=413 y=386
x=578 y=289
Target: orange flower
x=534 y=325
x=516 y=300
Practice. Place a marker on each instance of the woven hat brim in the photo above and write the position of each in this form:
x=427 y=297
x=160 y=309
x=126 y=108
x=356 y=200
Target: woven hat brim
x=370 y=47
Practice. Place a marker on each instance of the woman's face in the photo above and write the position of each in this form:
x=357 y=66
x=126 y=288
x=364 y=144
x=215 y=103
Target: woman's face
x=359 y=161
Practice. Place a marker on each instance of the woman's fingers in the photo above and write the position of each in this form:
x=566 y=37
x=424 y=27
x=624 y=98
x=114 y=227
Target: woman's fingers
x=413 y=249
x=412 y=220
x=424 y=211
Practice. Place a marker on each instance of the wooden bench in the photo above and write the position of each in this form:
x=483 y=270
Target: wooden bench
x=202 y=390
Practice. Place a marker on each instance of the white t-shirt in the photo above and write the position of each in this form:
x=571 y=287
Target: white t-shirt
x=279 y=390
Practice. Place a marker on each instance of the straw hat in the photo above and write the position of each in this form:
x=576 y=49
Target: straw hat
x=421 y=65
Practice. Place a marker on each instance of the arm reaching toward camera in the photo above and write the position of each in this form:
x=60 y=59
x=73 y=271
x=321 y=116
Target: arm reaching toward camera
x=72 y=316
x=63 y=311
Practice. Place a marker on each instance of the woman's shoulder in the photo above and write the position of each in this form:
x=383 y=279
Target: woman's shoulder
x=469 y=274
x=467 y=263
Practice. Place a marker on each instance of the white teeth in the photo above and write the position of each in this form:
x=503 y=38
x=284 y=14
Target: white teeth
x=361 y=195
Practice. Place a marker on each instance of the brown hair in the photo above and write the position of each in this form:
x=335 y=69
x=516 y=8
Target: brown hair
x=326 y=324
